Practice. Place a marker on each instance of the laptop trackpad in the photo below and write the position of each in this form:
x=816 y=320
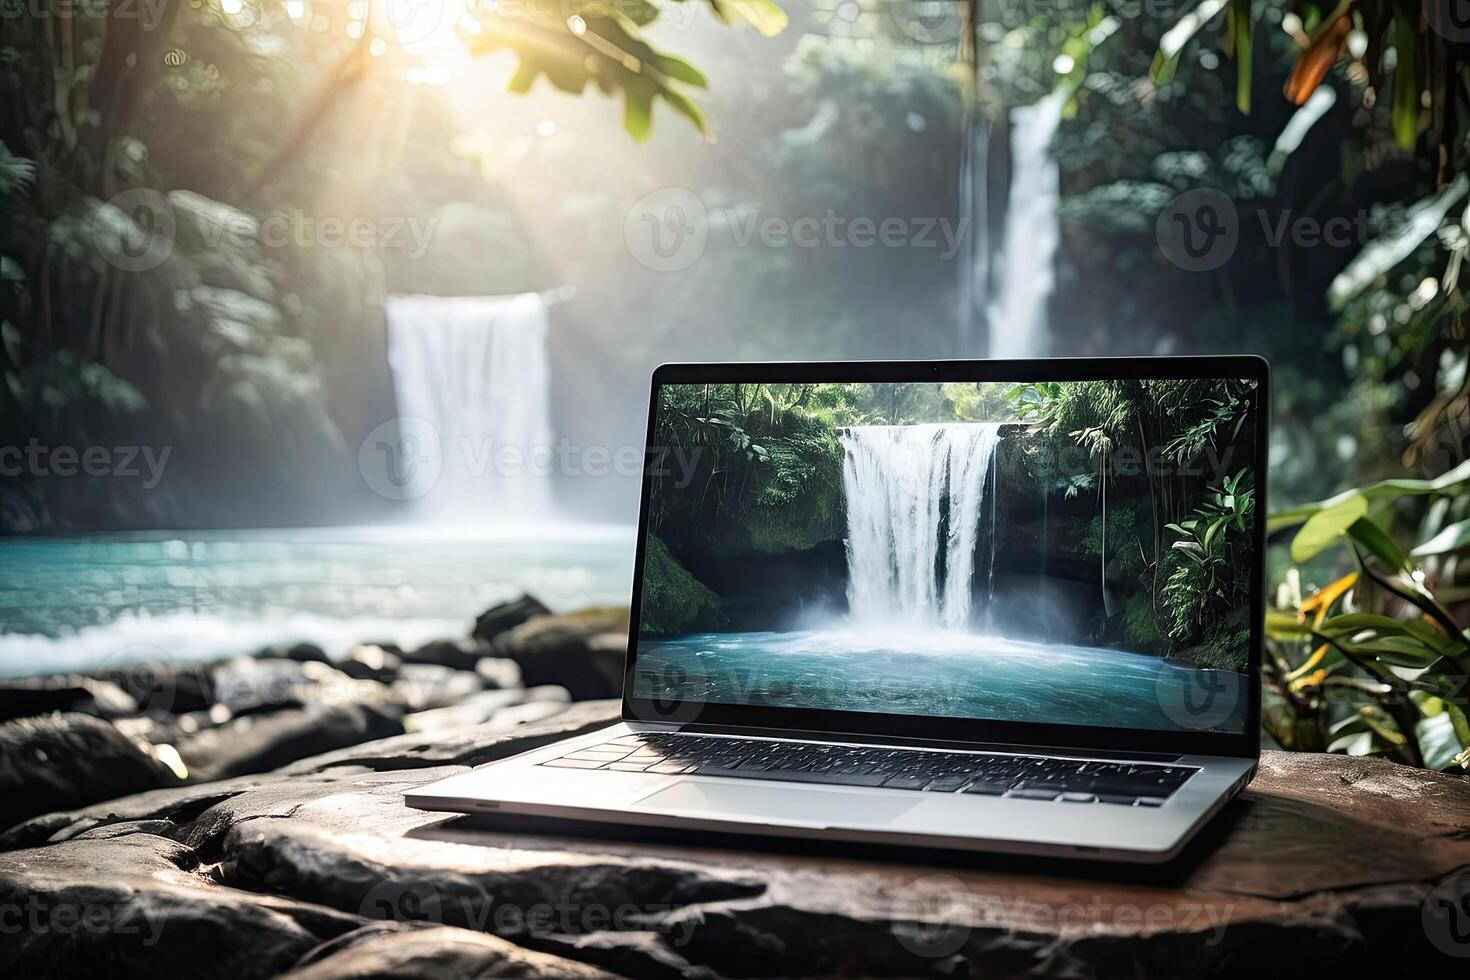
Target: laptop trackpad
x=746 y=799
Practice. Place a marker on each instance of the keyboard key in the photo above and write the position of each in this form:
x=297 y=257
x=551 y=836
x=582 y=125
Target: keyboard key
x=1033 y=794
x=574 y=764
x=906 y=782
x=628 y=766
x=988 y=787
x=1113 y=798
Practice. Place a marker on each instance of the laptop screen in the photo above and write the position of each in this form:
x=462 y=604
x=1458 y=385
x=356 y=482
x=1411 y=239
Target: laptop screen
x=1057 y=552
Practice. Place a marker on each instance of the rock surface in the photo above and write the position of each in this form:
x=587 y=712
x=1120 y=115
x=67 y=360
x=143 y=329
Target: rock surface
x=1326 y=864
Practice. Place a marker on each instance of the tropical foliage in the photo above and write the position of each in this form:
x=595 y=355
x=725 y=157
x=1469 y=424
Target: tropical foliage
x=1376 y=661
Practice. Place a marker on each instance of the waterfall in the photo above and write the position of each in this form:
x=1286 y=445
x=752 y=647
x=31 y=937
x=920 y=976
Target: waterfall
x=475 y=369
x=1017 y=315
x=897 y=480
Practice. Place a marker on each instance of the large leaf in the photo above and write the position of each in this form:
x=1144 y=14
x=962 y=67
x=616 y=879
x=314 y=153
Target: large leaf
x=1382 y=490
x=1380 y=256
x=1324 y=528
x=1452 y=538
x=1379 y=544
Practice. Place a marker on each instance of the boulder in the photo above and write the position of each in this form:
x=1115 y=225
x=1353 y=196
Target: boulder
x=268 y=740
x=63 y=761
x=27 y=697
x=505 y=616
x=582 y=651
x=1326 y=865
x=162 y=688
x=458 y=654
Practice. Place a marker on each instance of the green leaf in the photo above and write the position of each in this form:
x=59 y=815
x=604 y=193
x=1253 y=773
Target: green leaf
x=1452 y=538
x=1240 y=32
x=767 y=18
x=1384 y=489
x=1324 y=528
x=638 y=112
x=1379 y=544
x=1407 y=77
x=1350 y=624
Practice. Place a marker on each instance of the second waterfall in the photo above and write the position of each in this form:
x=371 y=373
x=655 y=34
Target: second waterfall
x=916 y=496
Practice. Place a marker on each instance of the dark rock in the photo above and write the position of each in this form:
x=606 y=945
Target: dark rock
x=30 y=696
x=63 y=761
x=457 y=654
x=161 y=688
x=582 y=651
x=368 y=661
x=407 y=952
x=423 y=686
x=501 y=709
x=133 y=906
x=268 y=740
x=1323 y=867
x=508 y=615
x=299 y=652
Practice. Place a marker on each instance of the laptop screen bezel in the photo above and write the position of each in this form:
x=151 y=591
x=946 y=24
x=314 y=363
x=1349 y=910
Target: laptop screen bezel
x=700 y=714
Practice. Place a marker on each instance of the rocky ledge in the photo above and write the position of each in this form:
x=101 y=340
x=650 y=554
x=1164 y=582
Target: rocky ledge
x=1326 y=864
x=137 y=724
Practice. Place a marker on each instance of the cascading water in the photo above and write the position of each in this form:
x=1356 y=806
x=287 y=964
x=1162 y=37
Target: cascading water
x=1017 y=315
x=475 y=368
x=897 y=479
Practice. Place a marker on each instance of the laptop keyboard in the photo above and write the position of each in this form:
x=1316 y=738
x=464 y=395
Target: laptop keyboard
x=1014 y=776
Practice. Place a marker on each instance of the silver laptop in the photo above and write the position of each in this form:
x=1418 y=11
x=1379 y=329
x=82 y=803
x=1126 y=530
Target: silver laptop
x=1009 y=606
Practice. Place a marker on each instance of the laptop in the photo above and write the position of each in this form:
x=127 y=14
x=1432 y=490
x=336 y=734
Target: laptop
x=1010 y=606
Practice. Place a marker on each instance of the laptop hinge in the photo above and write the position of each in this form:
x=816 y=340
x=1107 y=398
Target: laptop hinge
x=852 y=738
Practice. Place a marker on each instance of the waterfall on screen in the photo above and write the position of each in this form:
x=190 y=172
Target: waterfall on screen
x=475 y=368
x=916 y=495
